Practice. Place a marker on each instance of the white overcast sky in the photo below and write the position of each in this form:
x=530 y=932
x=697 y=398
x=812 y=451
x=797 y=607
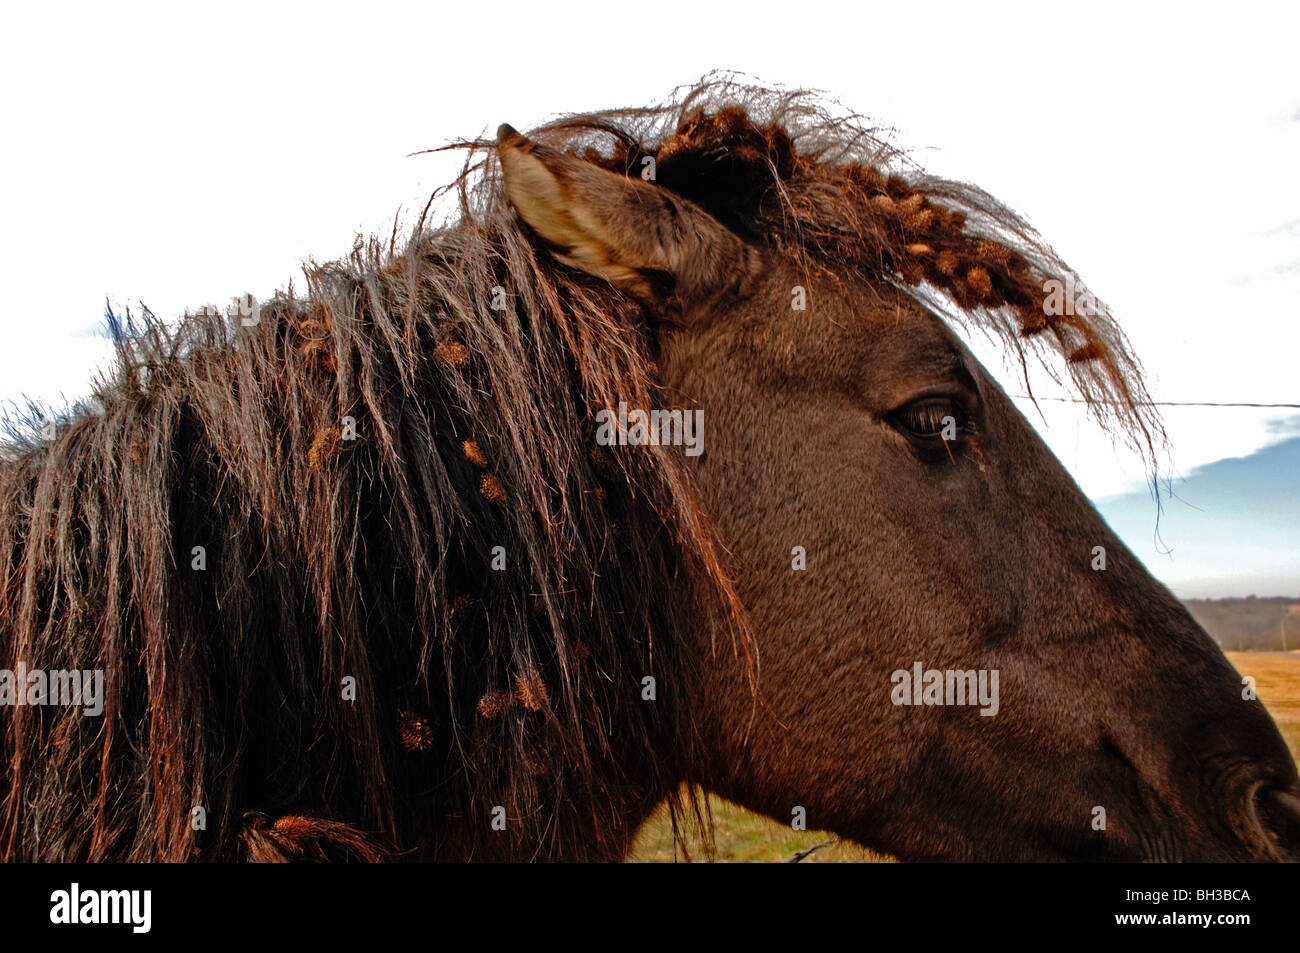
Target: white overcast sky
x=177 y=155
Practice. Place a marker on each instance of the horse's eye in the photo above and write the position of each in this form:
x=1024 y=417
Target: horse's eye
x=932 y=418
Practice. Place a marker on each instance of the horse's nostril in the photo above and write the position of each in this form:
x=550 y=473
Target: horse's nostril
x=1278 y=813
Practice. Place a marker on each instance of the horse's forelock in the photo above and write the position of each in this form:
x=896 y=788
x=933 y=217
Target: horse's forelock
x=788 y=168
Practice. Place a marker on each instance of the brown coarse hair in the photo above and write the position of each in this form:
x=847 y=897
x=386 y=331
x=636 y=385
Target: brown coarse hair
x=278 y=538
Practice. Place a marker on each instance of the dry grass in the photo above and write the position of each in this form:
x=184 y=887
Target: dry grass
x=1277 y=680
x=743 y=837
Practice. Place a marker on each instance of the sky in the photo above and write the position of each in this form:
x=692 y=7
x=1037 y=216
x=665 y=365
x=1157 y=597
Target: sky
x=1244 y=507
x=178 y=157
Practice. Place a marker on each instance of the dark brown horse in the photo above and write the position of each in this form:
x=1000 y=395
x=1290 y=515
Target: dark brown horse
x=365 y=578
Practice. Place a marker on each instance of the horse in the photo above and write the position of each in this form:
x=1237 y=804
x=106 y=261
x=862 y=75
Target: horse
x=659 y=467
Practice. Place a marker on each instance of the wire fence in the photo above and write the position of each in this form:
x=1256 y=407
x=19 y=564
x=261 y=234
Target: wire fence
x=1163 y=403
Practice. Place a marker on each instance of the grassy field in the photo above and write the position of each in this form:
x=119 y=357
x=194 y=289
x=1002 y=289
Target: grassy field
x=1277 y=679
x=743 y=837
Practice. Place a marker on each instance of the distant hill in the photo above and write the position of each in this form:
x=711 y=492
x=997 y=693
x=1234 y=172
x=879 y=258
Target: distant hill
x=1229 y=528
x=1249 y=624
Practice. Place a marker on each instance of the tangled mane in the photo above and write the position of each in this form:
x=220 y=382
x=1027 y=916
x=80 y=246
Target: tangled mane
x=278 y=540
x=785 y=169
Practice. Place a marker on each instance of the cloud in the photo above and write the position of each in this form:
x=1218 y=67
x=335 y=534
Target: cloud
x=1283 y=426
x=1286 y=228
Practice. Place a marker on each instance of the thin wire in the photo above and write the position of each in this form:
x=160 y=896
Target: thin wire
x=1156 y=403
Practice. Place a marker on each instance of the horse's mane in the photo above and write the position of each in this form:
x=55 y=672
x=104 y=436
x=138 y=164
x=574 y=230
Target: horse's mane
x=789 y=169
x=471 y=365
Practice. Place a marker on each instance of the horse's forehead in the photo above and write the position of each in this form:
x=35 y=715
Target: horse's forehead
x=916 y=347
x=878 y=323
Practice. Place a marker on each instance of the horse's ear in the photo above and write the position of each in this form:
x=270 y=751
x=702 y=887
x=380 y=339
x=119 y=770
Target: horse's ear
x=627 y=231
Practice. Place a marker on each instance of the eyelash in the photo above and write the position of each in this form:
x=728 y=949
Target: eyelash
x=924 y=419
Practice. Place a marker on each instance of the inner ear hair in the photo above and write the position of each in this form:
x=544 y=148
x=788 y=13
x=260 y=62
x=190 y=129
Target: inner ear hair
x=637 y=236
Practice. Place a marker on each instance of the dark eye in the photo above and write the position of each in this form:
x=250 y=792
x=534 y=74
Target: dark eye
x=932 y=418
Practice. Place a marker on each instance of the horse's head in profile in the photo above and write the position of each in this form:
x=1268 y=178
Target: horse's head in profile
x=867 y=540
x=659 y=468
